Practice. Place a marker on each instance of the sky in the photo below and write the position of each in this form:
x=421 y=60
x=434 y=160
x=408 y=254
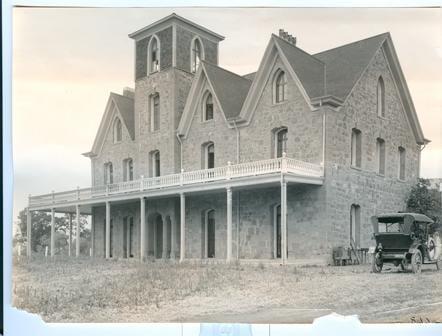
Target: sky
x=66 y=61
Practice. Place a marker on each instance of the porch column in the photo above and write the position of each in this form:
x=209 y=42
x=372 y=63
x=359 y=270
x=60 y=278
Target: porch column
x=183 y=226
x=52 y=232
x=229 y=224
x=107 y=256
x=172 y=239
x=284 y=221
x=77 y=238
x=28 y=232
x=92 y=233
x=142 y=228
x=70 y=234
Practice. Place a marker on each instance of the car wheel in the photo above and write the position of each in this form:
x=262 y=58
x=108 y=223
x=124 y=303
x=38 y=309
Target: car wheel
x=377 y=263
x=416 y=262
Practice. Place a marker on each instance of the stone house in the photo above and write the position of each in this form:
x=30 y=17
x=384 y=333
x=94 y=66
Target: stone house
x=285 y=163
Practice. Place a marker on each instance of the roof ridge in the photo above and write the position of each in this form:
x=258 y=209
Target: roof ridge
x=231 y=72
x=350 y=43
x=120 y=95
x=296 y=47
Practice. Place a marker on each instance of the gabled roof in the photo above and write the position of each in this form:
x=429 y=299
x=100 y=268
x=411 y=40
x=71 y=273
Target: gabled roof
x=124 y=109
x=310 y=70
x=230 y=88
x=345 y=64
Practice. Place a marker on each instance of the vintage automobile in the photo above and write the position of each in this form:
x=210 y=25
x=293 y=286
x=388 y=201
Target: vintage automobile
x=404 y=239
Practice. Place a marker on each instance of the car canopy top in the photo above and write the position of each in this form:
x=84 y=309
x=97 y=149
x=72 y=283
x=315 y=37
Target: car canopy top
x=406 y=218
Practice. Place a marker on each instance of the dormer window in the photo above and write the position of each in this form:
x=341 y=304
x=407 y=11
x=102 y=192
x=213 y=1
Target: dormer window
x=108 y=173
x=154 y=55
x=279 y=87
x=208 y=107
x=381 y=97
x=118 y=130
x=197 y=54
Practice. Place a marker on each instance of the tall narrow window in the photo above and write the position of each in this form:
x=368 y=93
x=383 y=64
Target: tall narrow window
x=280 y=86
x=381 y=97
x=128 y=169
x=118 y=130
x=154 y=55
x=401 y=151
x=108 y=173
x=155 y=112
x=380 y=155
x=281 y=142
x=356 y=148
x=209 y=156
x=210 y=234
x=197 y=54
x=155 y=163
x=355 y=225
x=208 y=107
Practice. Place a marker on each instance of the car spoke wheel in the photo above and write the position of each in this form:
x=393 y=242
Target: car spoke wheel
x=416 y=262
x=377 y=263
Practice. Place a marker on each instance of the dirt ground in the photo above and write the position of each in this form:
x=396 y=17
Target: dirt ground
x=87 y=290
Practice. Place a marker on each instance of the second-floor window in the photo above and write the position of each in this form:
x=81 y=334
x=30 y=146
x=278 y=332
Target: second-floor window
x=155 y=163
x=280 y=87
x=401 y=168
x=128 y=169
x=155 y=112
x=281 y=142
x=108 y=173
x=208 y=107
x=381 y=97
x=356 y=148
x=208 y=155
x=118 y=130
x=380 y=155
x=197 y=54
x=154 y=55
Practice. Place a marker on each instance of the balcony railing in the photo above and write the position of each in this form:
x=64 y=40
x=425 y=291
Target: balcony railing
x=229 y=172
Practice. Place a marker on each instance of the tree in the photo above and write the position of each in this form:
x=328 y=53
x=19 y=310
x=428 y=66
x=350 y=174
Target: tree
x=424 y=200
x=41 y=230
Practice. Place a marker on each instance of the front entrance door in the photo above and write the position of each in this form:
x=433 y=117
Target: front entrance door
x=211 y=234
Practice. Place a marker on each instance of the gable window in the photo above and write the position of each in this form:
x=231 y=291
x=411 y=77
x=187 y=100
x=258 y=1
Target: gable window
x=108 y=173
x=380 y=155
x=154 y=55
x=355 y=225
x=401 y=168
x=155 y=112
x=280 y=87
x=356 y=148
x=208 y=107
x=381 y=97
x=118 y=130
x=155 y=163
x=128 y=169
x=197 y=54
x=280 y=142
x=208 y=155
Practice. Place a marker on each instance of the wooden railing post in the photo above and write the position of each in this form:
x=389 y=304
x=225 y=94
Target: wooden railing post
x=78 y=192
x=53 y=197
x=284 y=163
x=182 y=177
x=107 y=189
x=228 y=171
x=142 y=182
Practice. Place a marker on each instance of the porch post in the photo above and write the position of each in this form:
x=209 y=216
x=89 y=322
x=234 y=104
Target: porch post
x=107 y=256
x=142 y=228
x=28 y=232
x=52 y=232
x=77 y=238
x=284 y=221
x=229 y=224
x=92 y=233
x=70 y=234
x=183 y=226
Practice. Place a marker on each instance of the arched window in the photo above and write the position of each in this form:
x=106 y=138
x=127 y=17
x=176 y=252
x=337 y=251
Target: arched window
x=210 y=157
x=381 y=97
x=128 y=169
x=197 y=53
x=155 y=163
x=280 y=141
x=208 y=107
x=155 y=112
x=153 y=54
x=355 y=225
x=118 y=130
x=280 y=87
x=108 y=173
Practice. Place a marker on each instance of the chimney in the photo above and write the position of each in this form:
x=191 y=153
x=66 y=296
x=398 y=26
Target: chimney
x=128 y=92
x=281 y=32
x=287 y=37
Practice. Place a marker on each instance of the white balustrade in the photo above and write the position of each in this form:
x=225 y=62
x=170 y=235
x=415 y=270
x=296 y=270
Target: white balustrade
x=248 y=169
